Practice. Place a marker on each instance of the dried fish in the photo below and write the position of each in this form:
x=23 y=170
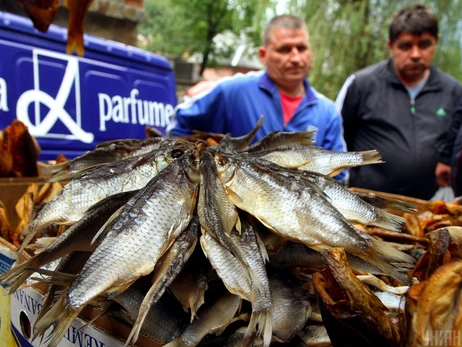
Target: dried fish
x=134 y=240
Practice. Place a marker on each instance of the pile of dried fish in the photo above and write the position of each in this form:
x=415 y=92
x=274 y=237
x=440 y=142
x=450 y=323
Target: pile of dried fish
x=170 y=236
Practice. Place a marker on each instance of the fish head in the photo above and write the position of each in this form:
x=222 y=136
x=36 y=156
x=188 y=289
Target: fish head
x=191 y=160
x=226 y=166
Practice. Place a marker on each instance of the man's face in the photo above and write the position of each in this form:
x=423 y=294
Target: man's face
x=412 y=56
x=288 y=57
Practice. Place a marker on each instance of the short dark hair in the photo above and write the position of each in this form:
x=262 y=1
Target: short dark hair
x=286 y=21
x=416 y=20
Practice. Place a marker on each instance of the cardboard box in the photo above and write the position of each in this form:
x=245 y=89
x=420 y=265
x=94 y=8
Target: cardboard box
x=11 y=190
x=7 y=258
x=25 y=306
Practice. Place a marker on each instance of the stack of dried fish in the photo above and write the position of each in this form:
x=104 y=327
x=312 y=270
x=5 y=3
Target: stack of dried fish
x=192 y=244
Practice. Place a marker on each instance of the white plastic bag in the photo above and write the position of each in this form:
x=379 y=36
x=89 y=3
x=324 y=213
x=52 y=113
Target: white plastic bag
x=444 y=193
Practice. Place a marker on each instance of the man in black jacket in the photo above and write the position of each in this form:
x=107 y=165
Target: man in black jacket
x=402 y=107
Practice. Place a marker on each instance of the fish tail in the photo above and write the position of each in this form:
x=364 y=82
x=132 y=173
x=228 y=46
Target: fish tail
x=371 y=157
x=306 y=138
x=61 y=316
x=390 y=204
x=195 y=304
x=264 y=321
x=16 y=276
x=27 y=235
x=75 y=43
x=389 y=221
x=58 y=172
x=390 y=260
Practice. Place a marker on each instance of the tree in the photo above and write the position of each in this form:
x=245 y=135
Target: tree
x=181 y=28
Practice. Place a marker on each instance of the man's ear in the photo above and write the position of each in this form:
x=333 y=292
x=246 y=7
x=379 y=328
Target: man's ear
x=389 y=44
x=262 y=54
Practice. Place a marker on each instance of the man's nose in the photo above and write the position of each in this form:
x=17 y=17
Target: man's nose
x=295 y=54
x=415 y=52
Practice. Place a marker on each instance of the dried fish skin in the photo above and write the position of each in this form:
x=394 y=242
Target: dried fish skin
x=165 y=271
x=134 y=241
x=291 y=307
x=163 y=322
x=352 y=314
x=217 y=214
x=437 y=313
x=212 y=318
x=240 y=281
x=298 y=254
x=353 y=207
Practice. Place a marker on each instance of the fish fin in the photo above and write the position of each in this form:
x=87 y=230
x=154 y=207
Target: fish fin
x=371 y=157
x=238 y=225
x=90 y=322
x=61 y=316
x=306 y=138
x=145 y=306
x=262 y=248
x=34 y=226
x=58 y=172
x=99 y=204
x=81 y=173
x=299 y=165
x=28 y=234
x=389 y=221
x=105 y=228
x=390 y=204
x=234 y=196
x=16 y=276
x=390 y=260
x=42 y=244
x=335 y=172
x=265 y=327
x=197 y=302
x=54 y=277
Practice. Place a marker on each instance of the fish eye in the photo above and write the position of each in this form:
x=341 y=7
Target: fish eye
x=176 y=153
x=222 y=160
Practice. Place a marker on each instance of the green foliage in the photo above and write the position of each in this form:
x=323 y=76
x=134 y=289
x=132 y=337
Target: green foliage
x=346 y=35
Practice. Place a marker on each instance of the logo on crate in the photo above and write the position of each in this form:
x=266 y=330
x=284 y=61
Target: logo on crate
x=55 y=110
